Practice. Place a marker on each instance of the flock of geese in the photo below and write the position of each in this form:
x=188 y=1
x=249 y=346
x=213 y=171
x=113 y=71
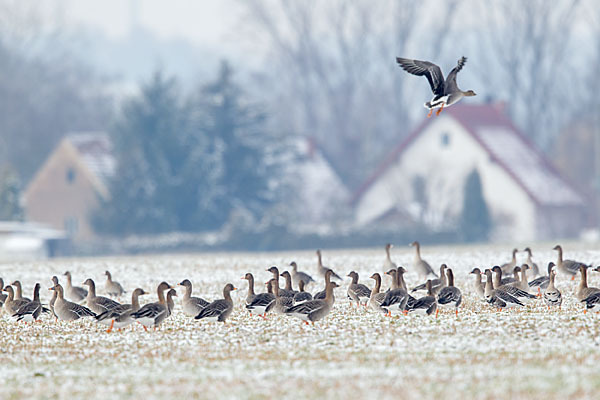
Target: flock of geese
x=496 y=288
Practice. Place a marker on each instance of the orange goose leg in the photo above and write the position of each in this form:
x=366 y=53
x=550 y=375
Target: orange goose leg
x=112 y=323
x=440 y=110
x=430 y=113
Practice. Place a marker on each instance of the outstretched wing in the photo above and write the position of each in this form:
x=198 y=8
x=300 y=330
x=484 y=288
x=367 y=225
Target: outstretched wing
x=430 y=70
x=450 y=85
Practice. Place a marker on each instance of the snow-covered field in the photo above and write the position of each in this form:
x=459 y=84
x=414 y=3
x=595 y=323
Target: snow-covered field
x=533 y=354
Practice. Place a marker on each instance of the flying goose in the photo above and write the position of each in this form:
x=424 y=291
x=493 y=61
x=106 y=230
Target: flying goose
x=314 y=310
x=552 y=296
x=302 y=296
x=357 y=292
x=11 y=304
x=66 y=310
x=542 y=281
x=30 y=312
x=426 y=305
x=377 y=298
x=153 y=314
x=446 y=92
x=98 y=304
x=261 y=302
x=74 y=293
x=113 y=288
x=191 y=305
x=449 y=295
x=535 y=270
x=121 y=315
x=422 y=267
x=297 y=276
x=436 y=284
x=220 y=309
x=478 y=284
x=498 y=297
x=567 y=267
x=507 y=268
x=323 y=269
x=19 y=291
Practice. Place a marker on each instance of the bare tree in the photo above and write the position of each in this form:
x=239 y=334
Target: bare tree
x=526 y=45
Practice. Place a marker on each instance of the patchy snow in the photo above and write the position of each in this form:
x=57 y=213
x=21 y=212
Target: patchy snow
x=350 y=354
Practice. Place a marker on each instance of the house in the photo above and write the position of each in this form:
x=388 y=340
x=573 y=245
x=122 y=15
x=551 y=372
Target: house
x=69 y=185
x=422 y=180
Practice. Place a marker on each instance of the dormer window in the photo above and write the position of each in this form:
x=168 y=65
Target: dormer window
x=70 y=175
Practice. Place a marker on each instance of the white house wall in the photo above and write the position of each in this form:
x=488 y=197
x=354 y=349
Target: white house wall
x=445 y=169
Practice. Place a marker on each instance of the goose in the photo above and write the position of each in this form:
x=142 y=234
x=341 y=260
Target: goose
x=191 y=305
x=321 y=295
x=567 y=267
x=426 y=305
x=3 y=296
x=422 y=267
x=322 y=269
x=121 y=316
x=510 y=288
x=54 y=297
x=314 y=310
x=535 y=270
x=400 y=271
x=478 y=284
x=388 y=263
x=302 y=296
x=499 y=280
x=261 y=302
x=98 y=304
x=170 y=303
x=449 y=295
x=377 y=298
x=445 y=92
x=288 y=283
x=74 y=293
x=113 y=288
x=583 y=291
x=282 y=292
x=396 y=298
x=542 y=281
x=153 y=314
x=19 y=291
x=552 y=296
x=66 y=310
x=524 y=282
x=31 y=311
x=436 y=284
x=508 y=267
x=498 y=297
x=281 y=303
x=11 y=304
x=251 y=295
x=297 y=276
x=357 y=292
x=220 y=309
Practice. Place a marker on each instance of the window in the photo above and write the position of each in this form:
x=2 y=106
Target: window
x=70 y=175
x=445 y=139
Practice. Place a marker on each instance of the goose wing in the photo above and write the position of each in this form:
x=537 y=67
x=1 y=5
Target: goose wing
x=449 y=294
x=432 y=72
x=150 y=311
x=306 y=307
x=450 y=84
x=214 y=309
x=80 y=310
x=261 y=300
x=114 y=312
x=106 y=303
x=507 y=297
x=395 y=296
x=539 y=281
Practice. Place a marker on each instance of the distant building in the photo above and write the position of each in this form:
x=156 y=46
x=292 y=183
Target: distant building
x=422 y=180
x=68 y=186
